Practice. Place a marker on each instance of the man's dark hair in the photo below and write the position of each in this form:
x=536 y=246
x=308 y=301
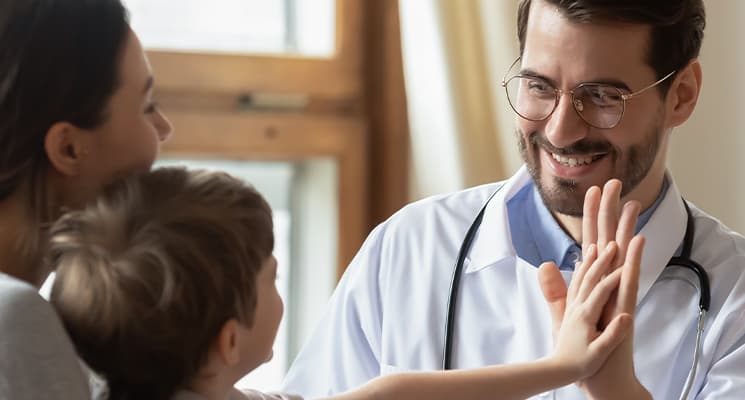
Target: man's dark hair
x=677 y=26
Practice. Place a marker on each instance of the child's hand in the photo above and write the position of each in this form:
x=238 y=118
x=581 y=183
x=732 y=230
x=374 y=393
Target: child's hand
x=582 y=343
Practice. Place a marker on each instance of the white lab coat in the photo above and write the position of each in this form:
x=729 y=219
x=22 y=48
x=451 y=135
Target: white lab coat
x=388 y=313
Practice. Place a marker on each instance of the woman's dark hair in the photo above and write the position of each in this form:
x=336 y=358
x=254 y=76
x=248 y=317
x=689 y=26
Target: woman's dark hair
x=677 y=26
x=59 y=61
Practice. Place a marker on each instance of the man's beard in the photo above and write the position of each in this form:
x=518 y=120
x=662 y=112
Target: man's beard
x=566 y=196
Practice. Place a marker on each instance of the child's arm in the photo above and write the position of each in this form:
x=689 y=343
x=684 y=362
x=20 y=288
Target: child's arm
x=515 y=381
x=580 y=348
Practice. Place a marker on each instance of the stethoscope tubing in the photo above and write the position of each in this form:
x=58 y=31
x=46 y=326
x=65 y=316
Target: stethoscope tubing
x=683 y=260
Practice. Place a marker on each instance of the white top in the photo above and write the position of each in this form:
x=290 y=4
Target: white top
x=388 y=312
x=37 y=359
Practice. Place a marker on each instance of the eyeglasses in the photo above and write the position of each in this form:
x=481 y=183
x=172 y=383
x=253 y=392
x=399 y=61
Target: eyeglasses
x=600 y=105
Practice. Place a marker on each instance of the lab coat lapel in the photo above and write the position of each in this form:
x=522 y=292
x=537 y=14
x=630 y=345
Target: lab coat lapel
x=664 y=234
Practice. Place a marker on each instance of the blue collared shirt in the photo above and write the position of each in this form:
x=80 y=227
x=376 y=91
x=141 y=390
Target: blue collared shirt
x=537 y=236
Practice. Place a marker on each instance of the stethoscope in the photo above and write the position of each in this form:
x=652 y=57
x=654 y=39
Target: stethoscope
x=684 y=260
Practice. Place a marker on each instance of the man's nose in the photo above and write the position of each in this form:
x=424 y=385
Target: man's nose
x=564 y=126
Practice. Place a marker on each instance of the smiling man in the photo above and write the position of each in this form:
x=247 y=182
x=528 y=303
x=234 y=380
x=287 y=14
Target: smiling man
x=597 y=90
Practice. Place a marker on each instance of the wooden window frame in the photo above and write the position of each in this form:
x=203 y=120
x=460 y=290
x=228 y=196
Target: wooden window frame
x=350 y=107
x=208 y=98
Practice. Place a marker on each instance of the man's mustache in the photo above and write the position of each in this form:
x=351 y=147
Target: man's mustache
x=580 y=147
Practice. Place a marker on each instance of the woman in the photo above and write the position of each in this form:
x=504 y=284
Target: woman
x=76 y=110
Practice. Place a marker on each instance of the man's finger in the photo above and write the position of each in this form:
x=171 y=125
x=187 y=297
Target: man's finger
x=630 y=276
x=626 y=229
x=580 y=269
x=590 y=219
x=608 y=212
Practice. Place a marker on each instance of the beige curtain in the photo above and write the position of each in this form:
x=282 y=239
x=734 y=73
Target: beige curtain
x=455 y=53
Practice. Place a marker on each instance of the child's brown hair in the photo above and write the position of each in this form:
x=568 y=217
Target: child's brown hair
x=148 y=274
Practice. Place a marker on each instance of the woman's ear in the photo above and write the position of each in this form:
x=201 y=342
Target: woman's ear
x=67 y=146
x=226 y=344
x=684 y=93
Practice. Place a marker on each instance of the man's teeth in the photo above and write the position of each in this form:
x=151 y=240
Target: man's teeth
x=573 y=161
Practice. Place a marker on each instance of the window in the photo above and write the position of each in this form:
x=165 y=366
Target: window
x=295 y=27
x=259 y=89
x=297 y=193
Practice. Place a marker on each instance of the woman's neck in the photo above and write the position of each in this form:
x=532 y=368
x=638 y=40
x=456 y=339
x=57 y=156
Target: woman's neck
x=211 y=390
x=15 y=228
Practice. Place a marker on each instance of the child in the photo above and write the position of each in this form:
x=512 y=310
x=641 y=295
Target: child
x=166 y=287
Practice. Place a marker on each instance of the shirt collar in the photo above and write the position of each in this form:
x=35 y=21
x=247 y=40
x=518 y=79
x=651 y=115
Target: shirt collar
x=664 y=230
x=647 y=214
x=533 y=222
x=551 y=240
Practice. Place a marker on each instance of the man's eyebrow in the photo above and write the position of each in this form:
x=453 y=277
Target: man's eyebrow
x=529 y=72
x=612 y=82
x=605 y=81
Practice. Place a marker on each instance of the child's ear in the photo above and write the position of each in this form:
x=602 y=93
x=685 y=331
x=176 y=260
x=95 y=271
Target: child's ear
x=227 y=344
x=66 y=146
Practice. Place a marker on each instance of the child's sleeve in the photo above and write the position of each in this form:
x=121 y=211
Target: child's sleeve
x=247 y=394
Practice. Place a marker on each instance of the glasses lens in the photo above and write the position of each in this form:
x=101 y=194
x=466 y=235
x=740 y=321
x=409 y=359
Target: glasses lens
x=599 y=105
x=531 y=98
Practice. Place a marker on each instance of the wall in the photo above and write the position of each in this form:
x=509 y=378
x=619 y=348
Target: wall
x=705 y=152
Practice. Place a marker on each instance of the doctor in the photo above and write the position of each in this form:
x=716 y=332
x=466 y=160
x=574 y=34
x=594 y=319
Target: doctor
x=598 y=89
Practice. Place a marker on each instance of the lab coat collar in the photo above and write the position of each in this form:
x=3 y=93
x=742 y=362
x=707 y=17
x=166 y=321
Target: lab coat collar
x=664 y=232
x=493 y=241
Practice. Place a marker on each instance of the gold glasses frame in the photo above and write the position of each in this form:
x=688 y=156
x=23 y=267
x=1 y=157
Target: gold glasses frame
x=577 y=104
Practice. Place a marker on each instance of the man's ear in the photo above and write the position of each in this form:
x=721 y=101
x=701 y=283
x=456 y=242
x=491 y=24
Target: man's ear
x=227 y=343
x=67 y=146
x=684 y=93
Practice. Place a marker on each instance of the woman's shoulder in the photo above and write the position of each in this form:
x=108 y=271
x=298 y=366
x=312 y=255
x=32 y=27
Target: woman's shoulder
x=26 y=317
x=19 y=299
x=16 y=295
x=37 y=359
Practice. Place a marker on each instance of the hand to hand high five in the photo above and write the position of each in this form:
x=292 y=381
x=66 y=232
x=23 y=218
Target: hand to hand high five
x=603 y=222
x=580 y=343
